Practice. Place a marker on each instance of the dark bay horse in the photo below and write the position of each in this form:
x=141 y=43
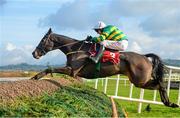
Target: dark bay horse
x=142 y=72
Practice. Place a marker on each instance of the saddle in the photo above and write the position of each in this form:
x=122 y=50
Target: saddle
x=109 y=55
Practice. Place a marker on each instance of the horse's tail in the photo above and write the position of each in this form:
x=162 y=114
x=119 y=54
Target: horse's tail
x=158 y=67
x=158 y=75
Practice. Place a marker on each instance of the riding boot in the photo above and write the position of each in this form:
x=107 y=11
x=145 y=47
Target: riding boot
x=98 y=55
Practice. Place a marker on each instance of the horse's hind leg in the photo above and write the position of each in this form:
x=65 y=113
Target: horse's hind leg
x=164 y=96
x=153 y=85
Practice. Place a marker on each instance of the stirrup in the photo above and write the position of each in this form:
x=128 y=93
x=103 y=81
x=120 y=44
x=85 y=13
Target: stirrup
x=94 y=59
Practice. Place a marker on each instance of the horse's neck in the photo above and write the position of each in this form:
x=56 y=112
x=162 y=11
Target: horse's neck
x=60 y=39
x=63 y=42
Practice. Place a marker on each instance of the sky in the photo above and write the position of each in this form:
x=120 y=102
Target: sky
x=152 y=26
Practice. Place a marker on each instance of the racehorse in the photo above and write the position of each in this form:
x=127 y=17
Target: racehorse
x=144 y=71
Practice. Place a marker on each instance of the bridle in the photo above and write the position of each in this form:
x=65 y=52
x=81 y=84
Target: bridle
x=43 y=49
x=59 y=47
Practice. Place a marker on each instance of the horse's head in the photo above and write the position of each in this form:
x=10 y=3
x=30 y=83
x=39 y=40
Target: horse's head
x=45 y=45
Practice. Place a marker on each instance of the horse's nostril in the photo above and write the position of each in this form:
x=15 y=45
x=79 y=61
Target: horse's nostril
x=35 y=54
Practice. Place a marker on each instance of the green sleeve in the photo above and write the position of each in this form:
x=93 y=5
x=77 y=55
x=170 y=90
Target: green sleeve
x=102 y=37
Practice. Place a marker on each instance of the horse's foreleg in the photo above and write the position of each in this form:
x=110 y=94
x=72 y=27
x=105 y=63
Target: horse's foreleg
x=62 y=70
x=40 y=75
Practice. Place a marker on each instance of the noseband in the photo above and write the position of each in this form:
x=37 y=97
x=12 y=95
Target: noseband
x=43 y=51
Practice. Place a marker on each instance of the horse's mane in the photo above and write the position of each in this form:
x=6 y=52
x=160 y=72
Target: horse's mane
x=66 y=37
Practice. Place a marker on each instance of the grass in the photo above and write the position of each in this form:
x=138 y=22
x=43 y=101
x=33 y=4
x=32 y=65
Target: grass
x=73 y=101
x=132 y=107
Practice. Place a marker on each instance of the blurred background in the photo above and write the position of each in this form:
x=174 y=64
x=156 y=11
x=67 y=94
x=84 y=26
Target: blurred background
x=152 y=26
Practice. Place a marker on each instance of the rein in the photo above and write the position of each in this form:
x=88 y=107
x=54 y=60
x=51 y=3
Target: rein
x=65 y=45
x=72 y=52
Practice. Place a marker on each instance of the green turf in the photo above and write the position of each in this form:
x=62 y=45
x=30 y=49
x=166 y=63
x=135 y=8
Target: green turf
x=132 y=107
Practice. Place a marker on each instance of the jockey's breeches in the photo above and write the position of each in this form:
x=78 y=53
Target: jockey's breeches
x=117 y=45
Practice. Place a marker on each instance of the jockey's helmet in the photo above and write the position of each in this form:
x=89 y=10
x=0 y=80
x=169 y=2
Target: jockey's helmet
x=99 y=25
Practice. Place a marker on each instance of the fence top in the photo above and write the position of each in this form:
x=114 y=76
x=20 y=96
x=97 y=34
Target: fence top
x=173 y=67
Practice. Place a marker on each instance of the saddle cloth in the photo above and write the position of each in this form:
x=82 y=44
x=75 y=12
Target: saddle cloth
x=108 y=56
x=111 y=57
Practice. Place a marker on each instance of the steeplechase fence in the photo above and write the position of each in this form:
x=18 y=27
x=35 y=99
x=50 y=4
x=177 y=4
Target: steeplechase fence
x=172 y=76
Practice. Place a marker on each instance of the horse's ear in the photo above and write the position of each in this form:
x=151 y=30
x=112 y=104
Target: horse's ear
x=49 y=31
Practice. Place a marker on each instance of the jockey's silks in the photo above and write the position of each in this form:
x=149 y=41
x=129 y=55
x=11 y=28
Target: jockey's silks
x=110 y=33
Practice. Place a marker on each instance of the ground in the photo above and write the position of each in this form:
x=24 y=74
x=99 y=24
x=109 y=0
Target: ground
x=65 y=97
x=11 y=90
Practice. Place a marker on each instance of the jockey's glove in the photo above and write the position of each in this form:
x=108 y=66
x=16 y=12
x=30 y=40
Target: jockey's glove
x=93 y=40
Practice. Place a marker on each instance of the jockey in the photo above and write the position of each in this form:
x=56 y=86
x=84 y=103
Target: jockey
x=110 y=37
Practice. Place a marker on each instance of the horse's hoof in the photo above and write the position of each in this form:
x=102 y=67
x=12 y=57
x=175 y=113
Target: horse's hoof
x=173 y=105
x=34 y=78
